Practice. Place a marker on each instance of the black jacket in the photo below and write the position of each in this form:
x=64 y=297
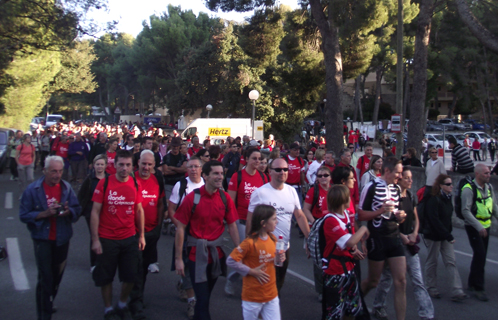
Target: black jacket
x=86 y=193
x=438 y=213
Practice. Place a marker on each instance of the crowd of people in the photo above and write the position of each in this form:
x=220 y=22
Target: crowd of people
x=135 y=183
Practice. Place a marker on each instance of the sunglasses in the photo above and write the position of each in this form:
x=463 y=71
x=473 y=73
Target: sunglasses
x=433 y=151
x=323 y=175
x=280 y=169
x=447 y=184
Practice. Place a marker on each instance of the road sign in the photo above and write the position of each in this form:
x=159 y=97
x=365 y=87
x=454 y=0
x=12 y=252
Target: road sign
x=396 y=123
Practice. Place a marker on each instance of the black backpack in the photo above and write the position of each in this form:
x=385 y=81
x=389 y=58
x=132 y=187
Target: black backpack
x=286 y=158
x=361 y=140
x=316 y=194
x=458 y=197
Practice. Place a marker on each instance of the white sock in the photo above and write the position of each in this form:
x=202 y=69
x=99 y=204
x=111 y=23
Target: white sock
x=191 y=299
x=108 y=309
x=121 y=305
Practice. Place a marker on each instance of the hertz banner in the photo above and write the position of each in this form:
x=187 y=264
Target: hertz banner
x=219 y=131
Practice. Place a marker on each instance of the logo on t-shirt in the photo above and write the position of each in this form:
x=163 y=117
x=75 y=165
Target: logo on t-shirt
x=115 y=199
x=50 y=201
x=145 y=194
x=248 y=190
x=280 y=210
x=320 y=201
x=264 y=257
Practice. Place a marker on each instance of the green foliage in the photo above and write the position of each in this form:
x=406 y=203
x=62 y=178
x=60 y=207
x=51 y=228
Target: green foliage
x=30 y=72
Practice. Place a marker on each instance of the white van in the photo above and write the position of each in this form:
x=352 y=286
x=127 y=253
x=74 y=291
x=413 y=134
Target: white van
x=221 y=128
x=53 y=119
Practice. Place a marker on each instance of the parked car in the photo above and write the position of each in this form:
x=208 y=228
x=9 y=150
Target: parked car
x=4 y=146
x=476 y=125
x=436 y=140
x=35 y=122
x=433 y=126
x=453 y=124
x=479 y=135
x=459 y=137
x=53 y=119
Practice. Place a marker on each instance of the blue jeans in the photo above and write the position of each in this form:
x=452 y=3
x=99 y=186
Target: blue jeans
x=202 y=292
x=51 y=262
x=425 y=307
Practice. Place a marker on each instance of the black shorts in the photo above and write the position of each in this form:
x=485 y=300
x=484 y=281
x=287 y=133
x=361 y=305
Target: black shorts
x=122 y=254
x=382 y=248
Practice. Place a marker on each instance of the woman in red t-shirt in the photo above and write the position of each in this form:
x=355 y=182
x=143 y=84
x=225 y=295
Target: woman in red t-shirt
x=315 y=207
x=341 y=288
x=112 y=146
x=25 y=158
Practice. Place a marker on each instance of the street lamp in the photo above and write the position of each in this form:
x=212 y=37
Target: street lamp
x=209 y=108
x=253 y=95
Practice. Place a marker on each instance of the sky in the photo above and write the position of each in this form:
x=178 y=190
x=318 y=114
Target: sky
x=131 y=13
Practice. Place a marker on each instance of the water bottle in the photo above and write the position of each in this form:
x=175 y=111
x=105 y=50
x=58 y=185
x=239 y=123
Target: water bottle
x=280 y=248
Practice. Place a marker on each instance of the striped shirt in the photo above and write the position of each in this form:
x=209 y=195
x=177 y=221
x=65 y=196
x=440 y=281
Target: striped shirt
x=460 y=159
x=373 y=196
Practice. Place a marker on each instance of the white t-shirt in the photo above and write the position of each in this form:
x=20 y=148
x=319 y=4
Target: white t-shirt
x=285 y=201
x=175 y=194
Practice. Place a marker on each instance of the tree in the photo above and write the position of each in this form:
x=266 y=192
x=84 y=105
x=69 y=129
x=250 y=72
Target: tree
x=31 y=73
x=418 y=101
x=486 y=37
x=30 y=25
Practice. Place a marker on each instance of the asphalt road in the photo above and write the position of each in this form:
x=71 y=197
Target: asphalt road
x=78 y=298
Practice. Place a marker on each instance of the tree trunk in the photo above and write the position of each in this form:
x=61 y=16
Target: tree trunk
x=488 y=39
x=357 y=97
x=417 y=105
x=406 y=97
x=453 y=105
x=378 y=82
x=333 y=75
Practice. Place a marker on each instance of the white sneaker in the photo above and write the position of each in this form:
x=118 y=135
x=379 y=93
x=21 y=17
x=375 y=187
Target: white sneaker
x=92 y=268
x=154 y=267
x=229 y=288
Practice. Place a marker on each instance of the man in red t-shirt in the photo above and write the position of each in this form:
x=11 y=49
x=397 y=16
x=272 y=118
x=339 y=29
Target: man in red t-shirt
x=49 y=206
x=296 y=177
x=205 y=223
x=364 y=161
x=195 y=148
x=153 y=206
x=116 y=216
x=329 y=161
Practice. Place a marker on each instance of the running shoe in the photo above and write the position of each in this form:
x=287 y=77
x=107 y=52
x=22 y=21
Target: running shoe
x=380 y=313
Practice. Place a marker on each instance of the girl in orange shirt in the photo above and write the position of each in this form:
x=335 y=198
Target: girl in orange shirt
x=254 y=259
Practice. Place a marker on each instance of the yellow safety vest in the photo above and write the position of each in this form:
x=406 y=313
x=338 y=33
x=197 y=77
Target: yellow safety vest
x=484 y=206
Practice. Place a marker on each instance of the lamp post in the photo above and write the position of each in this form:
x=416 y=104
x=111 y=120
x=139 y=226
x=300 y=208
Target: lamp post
x=209 y=108
x=253 y=95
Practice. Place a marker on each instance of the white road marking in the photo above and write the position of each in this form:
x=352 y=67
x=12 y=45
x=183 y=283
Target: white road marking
x=469 y=255
x=10 y=218
x=9 y=204
x=297 y=275
x=16 y=266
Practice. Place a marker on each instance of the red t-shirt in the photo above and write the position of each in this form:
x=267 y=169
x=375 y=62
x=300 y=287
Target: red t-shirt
x=207 y=220
x=117 y=218
x=294 y=177
x=476 y=145
x=354 y=192
x=150 y=200
x=111 y=169
x=243 y=161
x=320 y=208
x=363 y=164
x=61 y=149
x=334 y=232
x=332 y=168
x=247 y=186
x=193 y=150
x=53 y=195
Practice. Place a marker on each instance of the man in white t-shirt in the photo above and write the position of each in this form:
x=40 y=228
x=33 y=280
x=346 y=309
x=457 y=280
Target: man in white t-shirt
x=285 y=200
x=180 y=190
